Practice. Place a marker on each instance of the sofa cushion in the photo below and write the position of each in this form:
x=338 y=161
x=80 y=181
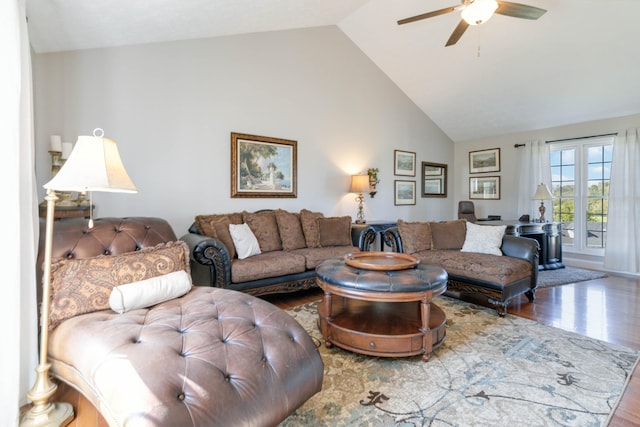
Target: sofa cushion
x=268 y=264
x=489 y=268
x=416 y=236
x=335 y=231
x=448 y=234
x=217 y=226
x=264 y=226
x=81 y=286
x=309 y=221
x=484 y=239
x=290 y=229
x=315 y=256
x=244 y=240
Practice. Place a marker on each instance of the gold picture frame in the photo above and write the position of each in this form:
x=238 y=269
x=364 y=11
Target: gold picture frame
x=262 y=166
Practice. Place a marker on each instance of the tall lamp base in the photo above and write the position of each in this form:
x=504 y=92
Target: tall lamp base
x=55 y=415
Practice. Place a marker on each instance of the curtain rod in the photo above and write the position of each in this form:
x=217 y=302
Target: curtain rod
x=571 y=139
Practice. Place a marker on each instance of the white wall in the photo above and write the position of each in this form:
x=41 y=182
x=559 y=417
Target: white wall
x=507 y=205
x=172 y=106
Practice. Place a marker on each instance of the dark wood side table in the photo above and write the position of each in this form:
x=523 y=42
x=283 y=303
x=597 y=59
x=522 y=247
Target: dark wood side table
x=378 y=228
x=66 y=212
x=381 y=313
x=548 y=235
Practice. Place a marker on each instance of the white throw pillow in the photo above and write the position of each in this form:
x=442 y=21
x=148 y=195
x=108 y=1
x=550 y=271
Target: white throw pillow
x=483 y=239
x=146 y=293
x=244 y=240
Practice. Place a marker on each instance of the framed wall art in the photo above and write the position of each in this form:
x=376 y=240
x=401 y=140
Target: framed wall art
x=486 y=187
x=434 y=179
x=404 y=163
x=484 y=161
x=404 y=192
x=263 y=167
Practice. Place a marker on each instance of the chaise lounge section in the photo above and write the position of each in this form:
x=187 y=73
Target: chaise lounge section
x=212 y=357
x=480 y=260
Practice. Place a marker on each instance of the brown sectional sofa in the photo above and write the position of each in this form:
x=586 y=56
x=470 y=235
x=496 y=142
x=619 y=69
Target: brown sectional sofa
x=508 y=272
x=292 y=244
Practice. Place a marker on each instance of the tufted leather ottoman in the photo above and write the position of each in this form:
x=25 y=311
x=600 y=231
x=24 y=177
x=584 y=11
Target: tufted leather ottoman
x=380 y=312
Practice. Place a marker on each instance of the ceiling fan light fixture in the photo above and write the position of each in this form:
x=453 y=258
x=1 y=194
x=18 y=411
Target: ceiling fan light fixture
x=479 y=11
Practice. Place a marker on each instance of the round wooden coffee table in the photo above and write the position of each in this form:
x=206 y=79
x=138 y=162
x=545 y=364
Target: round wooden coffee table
x=384 y=310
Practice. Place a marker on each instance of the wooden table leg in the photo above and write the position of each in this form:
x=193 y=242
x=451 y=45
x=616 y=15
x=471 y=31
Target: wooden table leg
x=427 y=339
x=325 y=310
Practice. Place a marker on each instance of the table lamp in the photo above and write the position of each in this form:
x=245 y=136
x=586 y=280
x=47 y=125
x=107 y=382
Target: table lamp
x=542 y=194
x=359 y=184
x=93 y=165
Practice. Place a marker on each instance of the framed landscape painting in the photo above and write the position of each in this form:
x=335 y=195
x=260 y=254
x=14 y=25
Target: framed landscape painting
x=405 y=193
x=262 y=166
x=486 y=187
x=404 y=163
x=484 y=161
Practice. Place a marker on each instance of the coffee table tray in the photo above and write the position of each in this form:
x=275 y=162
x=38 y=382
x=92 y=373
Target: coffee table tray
x=383 y=261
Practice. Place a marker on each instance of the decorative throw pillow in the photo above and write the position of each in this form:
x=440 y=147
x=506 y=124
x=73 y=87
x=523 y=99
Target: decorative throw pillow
x=218 y=226
x=335 y=231
x=290 y=230
x=148 y=292
x=244 y=240
x=309 y=221
x=484 y=239
x=80 y=286
x=448 y=234
x=416 y=236
x=265 y=228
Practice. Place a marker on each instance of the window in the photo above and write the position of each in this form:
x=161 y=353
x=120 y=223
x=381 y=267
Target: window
x=580 y=174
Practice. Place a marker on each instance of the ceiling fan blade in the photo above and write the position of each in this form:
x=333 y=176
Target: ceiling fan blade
x=457 y=33
x=428 y=15
x=518 y=10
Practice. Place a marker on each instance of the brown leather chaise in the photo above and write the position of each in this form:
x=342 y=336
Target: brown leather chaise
x=213 y=357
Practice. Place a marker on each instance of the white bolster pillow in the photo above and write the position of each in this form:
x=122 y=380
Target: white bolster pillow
x=148 y=292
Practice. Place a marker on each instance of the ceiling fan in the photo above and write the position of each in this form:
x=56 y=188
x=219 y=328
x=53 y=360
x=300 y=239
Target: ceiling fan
x=476 y=12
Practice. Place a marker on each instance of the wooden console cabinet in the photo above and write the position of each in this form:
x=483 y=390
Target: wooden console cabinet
x=548 y=235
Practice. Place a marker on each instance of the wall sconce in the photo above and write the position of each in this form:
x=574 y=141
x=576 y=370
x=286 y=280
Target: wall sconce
x=359 y=184
x=373 y=181
x=542 y=194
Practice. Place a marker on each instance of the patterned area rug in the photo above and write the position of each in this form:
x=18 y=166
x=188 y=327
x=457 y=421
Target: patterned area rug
x=564 y=276
x=489 y=371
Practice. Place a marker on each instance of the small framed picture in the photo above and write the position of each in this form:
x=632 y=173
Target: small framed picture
x=405 y=192
x=484 y=161
x=486 y=187
x=404 y=163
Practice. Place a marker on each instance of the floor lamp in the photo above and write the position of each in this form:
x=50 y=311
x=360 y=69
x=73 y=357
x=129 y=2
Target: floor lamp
x=94 y=165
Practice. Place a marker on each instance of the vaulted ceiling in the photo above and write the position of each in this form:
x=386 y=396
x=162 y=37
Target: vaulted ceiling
x=579 y=62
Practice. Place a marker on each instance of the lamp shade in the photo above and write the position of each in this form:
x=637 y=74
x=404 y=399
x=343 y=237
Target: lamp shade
x=93 y=165
x=359 y=184
x=479 y=11
x=542 y=193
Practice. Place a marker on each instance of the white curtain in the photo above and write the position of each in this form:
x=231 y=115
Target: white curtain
x=18 y=356
x=623 y=229
x=534 y=168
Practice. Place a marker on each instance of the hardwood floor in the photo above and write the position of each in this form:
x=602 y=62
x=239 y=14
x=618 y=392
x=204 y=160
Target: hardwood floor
x=607 y=309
